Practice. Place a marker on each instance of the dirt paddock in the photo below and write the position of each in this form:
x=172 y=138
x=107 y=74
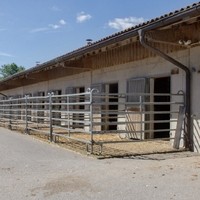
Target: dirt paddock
x=117 y=148
x=105 y=145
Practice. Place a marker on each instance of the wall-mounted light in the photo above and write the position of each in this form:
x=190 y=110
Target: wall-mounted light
x=175 y=71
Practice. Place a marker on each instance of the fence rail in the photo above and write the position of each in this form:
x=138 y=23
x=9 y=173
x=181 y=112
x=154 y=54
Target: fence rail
x=129 y=117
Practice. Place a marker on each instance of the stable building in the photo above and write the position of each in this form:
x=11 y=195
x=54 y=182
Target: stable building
x=160 y=56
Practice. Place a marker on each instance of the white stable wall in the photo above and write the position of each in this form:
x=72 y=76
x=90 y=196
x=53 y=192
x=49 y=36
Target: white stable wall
x=151 y=67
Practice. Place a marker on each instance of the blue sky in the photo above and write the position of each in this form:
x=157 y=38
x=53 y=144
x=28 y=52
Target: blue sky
x=39 y=30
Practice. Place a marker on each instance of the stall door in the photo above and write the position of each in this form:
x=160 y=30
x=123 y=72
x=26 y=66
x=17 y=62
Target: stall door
x=135 y=113
x=79 y=108
x=162 y=86
x=98 y=99
x=110 y=107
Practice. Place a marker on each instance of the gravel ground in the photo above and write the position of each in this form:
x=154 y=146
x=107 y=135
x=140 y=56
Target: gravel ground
x=33 y=169
x=120 y=147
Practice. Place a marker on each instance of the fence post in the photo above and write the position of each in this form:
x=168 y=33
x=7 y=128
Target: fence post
x=3 y=112
x=141 y=118
x=91 y=118
x=10 y=114
x=50 y=117
x=26 y=114
x=68 y=116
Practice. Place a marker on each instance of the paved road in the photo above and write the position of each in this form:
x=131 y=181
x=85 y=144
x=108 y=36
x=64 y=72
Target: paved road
x=31 y=169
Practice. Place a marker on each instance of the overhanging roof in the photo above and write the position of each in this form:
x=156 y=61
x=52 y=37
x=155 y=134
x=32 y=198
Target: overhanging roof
x=178 y=16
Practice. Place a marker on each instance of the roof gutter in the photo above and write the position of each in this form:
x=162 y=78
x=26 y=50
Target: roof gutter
x=150 y=25
x=189 y=136
x=157 y=23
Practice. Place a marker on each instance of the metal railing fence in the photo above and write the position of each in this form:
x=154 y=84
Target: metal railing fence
x=82 y=116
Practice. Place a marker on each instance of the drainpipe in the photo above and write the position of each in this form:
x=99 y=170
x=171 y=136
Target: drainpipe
x=189 y=137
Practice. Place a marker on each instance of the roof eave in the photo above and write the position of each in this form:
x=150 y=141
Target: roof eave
x=162 y=21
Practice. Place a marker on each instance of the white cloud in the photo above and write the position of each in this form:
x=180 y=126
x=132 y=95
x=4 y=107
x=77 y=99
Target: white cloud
x=124 y=23
x=54 y=26
x=50 y=26
x=62 y=22
x=36 y=30
x=58 y=25
x=82 y=17
x=5 y=54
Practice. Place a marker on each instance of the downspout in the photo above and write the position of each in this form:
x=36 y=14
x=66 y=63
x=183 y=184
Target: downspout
x=189 y=137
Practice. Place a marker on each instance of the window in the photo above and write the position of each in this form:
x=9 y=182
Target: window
x=134 y=86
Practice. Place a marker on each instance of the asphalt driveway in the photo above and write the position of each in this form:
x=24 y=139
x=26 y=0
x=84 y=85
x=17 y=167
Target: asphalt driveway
x=32 y=169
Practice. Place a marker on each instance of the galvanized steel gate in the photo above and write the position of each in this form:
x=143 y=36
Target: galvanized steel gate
x=96 y=118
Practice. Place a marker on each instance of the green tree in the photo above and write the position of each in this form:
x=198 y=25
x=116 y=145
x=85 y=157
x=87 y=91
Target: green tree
x=10 y=69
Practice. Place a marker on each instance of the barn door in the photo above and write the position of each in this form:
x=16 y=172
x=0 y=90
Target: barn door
x=135 y=112
x=100 y=87
x=69 y=108
x=81 y=108
x=56 y=108
x=109 y=106
x=76 y=116
x=137 y=85
x=38 y=107
x=113 y=90
x=162 y=86
x=98 y=98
